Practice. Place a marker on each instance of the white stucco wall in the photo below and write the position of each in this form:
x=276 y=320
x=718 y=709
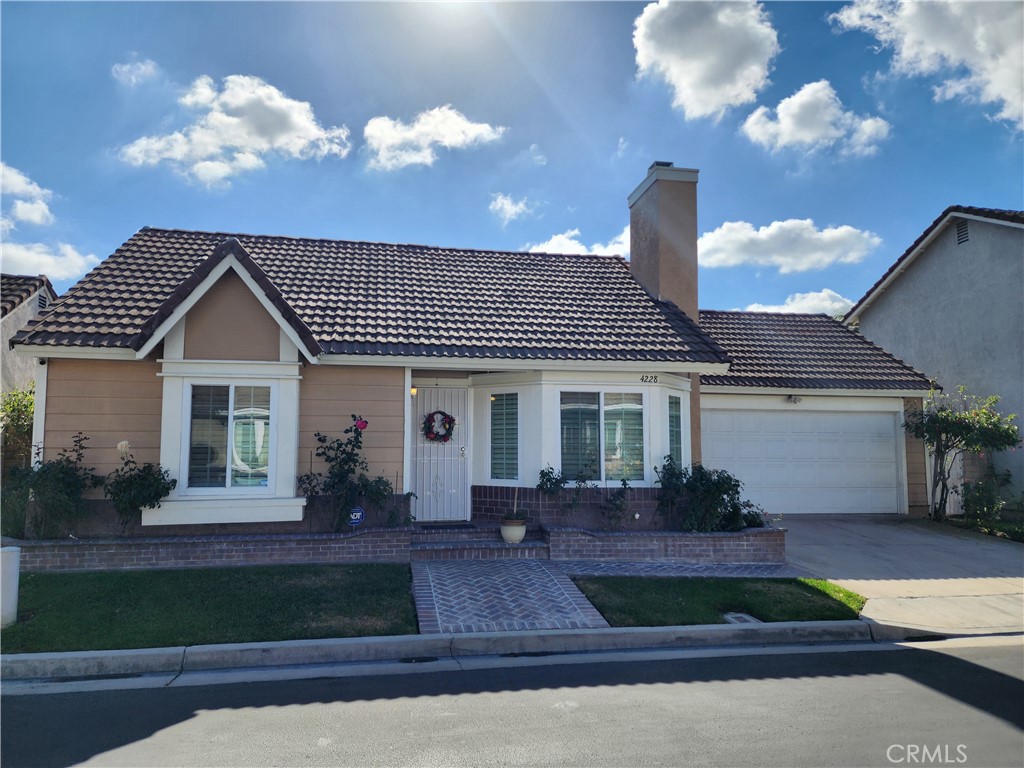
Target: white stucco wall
x=17 y=371
x=957 y=315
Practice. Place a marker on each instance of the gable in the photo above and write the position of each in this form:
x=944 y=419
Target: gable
x=230 y=323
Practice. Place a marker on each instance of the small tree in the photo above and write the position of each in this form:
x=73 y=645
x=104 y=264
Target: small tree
x=952 y=424
x=16 y=410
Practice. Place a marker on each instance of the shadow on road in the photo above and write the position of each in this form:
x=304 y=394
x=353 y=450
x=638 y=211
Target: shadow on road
x=35 y=729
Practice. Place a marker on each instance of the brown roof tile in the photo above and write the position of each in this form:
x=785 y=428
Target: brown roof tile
x=16 y=289
x=802 y=352
x=382 y=299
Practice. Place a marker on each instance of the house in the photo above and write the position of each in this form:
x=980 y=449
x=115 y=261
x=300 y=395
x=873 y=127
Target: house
x=952 y=306
x=220 y=355
x=21 y=299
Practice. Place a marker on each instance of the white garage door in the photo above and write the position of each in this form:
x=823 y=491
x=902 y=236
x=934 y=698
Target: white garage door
x=809 y=461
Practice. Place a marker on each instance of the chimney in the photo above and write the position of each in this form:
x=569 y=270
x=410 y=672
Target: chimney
x=663 y=235
x=663 y=252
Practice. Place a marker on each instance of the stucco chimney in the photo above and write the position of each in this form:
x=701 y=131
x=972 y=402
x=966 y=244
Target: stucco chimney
x=663 y=252
x=663 y=235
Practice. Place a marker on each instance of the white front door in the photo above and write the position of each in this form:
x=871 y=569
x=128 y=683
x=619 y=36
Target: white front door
x=440 y=470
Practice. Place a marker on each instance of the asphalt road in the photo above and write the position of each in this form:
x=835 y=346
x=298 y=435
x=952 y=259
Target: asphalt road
x=933 y=704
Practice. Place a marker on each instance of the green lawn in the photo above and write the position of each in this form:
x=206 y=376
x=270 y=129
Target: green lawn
x=150 y=609
x=627 y=601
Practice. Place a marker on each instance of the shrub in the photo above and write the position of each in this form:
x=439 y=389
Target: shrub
x=952 y=424
x=16 y=410
x=704 y=500
x=982 y=500
x=132 y=487
x=346 y=483
x=54 y=490
x=553 y=483
x=614 y=506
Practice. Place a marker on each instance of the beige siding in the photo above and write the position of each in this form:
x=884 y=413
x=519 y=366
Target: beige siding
x=917 y=474
x=329 y=395
x=107 y=400
x=229 y=323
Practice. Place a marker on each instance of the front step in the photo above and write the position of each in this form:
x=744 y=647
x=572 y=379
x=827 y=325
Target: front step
x=479 y=550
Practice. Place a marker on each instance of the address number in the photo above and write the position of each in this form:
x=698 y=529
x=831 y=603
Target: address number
x=648 y=379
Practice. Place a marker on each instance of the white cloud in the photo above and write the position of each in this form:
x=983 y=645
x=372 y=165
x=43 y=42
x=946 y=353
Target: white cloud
x=242 y=123
x=713 y=55
x=932 y=38
x=569 y=242
x=620 y=150
x=507 y=209
x=39 y=259
x=533 y=155
x=34 y=212
x=396 y=144
x=794 y=245
x=14 y=183
x=135 y=73
x=824 y=301
x=6 y=225
x=813 y=118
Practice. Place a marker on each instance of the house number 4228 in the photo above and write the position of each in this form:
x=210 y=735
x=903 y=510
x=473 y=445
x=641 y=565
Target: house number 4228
x=648 y=378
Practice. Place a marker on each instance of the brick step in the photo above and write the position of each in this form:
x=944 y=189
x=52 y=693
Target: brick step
x=482 y=532
x=491 y=549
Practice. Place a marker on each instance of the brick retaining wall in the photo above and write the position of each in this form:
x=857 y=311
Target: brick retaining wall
x=756 y=545
x=368 y=546
x=490 y=502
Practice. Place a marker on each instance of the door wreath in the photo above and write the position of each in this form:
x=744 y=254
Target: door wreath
x=438 y=427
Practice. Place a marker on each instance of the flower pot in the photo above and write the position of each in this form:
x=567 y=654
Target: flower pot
x=513 y=531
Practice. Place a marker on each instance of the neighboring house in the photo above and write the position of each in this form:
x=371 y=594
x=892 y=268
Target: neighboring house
x=953 y=307
x=219 y=356
x=21 y=299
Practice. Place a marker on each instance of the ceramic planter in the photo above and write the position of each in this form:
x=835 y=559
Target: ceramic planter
x=513 y=531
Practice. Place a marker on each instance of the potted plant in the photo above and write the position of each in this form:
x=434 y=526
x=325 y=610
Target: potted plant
x=513 y=523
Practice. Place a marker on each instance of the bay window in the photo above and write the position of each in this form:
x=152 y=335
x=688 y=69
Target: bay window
x=614 y=420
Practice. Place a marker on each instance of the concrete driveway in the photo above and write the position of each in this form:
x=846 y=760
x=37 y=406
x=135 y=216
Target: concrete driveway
x=915 y=573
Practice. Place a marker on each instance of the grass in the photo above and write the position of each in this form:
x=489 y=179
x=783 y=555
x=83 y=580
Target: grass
x=1010 y=526
x=151 y=609
x=664 y=602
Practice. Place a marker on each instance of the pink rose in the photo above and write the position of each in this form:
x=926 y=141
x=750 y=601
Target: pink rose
x=361 y=424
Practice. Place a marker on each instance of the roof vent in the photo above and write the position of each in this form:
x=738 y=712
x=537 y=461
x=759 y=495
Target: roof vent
x=44 y=300
x=961 y=232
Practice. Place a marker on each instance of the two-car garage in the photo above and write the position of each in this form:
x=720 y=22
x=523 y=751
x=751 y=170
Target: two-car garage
x=809 y=454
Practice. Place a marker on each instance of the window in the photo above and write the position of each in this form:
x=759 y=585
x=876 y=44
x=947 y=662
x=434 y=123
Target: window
x=581 y=437
x=675 y=429
x=623 y=436
x=505 y=436
x=230 y=437
x=614 y=419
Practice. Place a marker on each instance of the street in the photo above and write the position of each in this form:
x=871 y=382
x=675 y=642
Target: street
x=933 y=704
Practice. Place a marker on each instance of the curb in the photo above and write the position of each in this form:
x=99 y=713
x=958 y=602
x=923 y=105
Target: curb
x=83 y=665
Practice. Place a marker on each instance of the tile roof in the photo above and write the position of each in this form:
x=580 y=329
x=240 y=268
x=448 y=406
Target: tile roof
x=16 y=289
x=996 y=214
x=361 y=298
x=802 y=352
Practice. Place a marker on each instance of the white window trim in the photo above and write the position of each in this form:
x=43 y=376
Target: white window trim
x=186 y=420
x=278 y=501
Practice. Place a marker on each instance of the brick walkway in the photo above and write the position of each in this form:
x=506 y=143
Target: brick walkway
x=508 y=595
x=498 y=596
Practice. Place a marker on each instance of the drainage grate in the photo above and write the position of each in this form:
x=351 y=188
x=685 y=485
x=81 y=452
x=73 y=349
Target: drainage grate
x=740 y=618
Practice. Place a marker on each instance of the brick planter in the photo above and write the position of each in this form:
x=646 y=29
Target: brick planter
x=753 y=545
x=380 y=545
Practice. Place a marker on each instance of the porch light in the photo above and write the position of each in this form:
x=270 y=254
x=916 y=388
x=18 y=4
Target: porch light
x=412 y=391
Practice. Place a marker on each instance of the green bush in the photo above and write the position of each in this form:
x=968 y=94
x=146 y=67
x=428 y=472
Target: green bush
x=554 y=484
x=346 y=483
x=614 y=506
x=700 y=499
x=132 y=488
x=16 y=411
x=982 y=500
x=54 y=491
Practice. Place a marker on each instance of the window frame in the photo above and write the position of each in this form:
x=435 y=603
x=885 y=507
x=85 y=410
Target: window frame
x=601 y=391
x=227 y=490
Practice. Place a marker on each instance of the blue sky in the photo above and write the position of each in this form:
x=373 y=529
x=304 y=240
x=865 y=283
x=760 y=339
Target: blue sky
x=828 y=135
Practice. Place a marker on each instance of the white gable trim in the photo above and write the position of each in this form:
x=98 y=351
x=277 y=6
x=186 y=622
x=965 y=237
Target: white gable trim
x=228 y=262
x=936 y=231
